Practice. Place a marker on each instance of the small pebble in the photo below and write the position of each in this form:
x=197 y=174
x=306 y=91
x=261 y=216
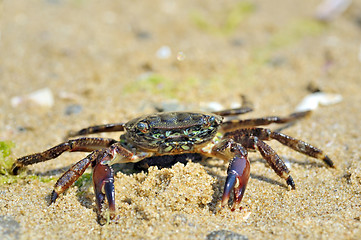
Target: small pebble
x=9 y=228
x=237 y=42
x=164 y=52
x=277 y=61
x=143 y=35
x=225 y=235
x=73 y=109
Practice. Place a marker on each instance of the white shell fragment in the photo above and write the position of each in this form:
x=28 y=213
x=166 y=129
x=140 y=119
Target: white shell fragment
x=164 y=52
x=213 y=106
x=330 y=9
x=42 y=97
x=312 y=101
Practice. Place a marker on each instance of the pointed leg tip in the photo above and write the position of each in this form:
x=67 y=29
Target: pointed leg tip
x=291 y=183
x=328 y=161
x=53 y=197
x=101 y=220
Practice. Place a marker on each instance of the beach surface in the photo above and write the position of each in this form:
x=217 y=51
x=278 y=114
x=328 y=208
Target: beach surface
x=98 y=62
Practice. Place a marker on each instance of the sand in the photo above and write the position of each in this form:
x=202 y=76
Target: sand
x=112 y=61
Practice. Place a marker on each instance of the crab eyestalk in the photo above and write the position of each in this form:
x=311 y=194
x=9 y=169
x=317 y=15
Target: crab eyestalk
x=237 y=179
x=103 y=179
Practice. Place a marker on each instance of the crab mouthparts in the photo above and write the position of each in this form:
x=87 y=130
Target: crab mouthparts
x=173 y=138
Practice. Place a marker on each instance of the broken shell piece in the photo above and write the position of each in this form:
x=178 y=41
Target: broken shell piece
x=42 y=97
x=212 y=106
x=330 y=9
x=311 y=102
x=164 y=52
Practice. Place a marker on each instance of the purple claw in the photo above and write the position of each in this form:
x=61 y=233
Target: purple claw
x=228 y=187
x=109 y=193
x=103 y=179
x=237 y=179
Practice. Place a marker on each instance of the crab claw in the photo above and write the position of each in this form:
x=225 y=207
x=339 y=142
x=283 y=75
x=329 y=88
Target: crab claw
x=103 y=179
x=237 y=179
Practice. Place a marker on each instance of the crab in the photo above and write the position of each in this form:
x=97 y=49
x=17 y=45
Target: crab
x=173 y=133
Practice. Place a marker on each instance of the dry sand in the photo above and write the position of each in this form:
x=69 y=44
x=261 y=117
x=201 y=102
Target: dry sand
x=98 y=56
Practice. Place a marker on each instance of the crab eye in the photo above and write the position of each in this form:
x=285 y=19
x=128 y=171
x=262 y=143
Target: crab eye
x=209 y=121
x=143 y=127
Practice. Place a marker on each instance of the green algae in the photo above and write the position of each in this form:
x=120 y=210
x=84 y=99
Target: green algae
x=6 y=162
x=290 y=34
x=160 y=85
x=224 y=22
x=83 y=180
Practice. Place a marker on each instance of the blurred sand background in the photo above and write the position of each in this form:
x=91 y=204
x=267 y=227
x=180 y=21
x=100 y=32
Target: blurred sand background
x=110 y=61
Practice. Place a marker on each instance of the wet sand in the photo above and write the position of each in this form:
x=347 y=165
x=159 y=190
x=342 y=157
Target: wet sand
x=113 y=61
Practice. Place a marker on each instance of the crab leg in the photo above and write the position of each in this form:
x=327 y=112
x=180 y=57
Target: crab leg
x=246 y=107
x=84 y=144
x=103 y=179
x=252 y=139
x=110 y=127
x=244 y=123
x=273 y=160
x=266 y=134
x=233 y=112
x=70 y=176
x=302 y=147
x=238 y=170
